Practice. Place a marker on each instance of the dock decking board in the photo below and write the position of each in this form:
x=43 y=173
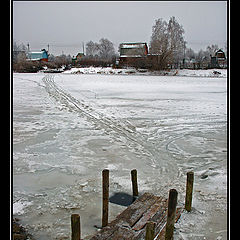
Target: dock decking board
x=131 y=223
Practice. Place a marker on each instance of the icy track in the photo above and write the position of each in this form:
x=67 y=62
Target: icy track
x=67 y=128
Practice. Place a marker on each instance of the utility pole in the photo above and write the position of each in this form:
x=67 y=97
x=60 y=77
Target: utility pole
x=28 y=47
x=83 y=47
x=48 y=48
x=184 y=47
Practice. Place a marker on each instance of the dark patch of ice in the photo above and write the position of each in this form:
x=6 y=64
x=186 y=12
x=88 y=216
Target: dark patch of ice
x=121 y=198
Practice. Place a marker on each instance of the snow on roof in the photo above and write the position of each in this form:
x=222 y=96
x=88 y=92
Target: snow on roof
x=35 y=55
x=35 y=52
x=129 y=56
x=154 y=54
x=132 y=45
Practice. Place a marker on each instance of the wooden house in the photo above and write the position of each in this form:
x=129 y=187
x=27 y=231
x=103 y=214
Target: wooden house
x=133 y=54
x=219 y=60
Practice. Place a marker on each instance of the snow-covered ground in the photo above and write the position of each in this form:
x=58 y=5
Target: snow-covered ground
x=133 y=71
x=68 y=127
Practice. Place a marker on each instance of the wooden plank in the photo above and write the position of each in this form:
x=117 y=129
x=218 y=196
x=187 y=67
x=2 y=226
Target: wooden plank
x=123 y=218
x=132 y=214
x=161 y=235
x=148 y=214
x=122 y=233
x=104 y=233
x=160 y=218
x=131 y=223
x=145 y=206
x=161 y=226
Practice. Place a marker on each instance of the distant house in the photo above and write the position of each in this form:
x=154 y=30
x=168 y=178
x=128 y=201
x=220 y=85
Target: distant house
x=38 y=56
x=133 y=54
x=219 y=60
x=77 y=58
x=80 y=55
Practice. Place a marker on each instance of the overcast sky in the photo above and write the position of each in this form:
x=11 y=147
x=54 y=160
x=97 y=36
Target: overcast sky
x=65 y=25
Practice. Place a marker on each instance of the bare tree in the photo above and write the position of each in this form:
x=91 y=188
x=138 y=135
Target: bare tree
x=92 y=49
x=190 y=54
x=106 y=49
x=167 y=41
x=159 y=38
x=19 y=52
x=175 y=35
x=212 y=49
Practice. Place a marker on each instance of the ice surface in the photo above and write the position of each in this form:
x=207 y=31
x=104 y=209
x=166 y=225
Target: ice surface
x=68 y=127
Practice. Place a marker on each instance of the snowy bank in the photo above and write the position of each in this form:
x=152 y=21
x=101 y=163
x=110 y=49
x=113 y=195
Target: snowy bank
x=133 y=71
x=203 y=73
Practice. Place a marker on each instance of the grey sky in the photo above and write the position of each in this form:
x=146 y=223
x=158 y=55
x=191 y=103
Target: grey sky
x=65 y=25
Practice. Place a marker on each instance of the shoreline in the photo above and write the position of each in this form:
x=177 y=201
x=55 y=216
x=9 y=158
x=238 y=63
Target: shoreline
x=19 y=232
x=216 y=73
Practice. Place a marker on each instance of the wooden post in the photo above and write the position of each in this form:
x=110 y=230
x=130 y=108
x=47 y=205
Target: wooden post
x=134 y=183
x=171 y=214
x=105 y=197
x=150 y=230
x=189 y=191
x=75 y=224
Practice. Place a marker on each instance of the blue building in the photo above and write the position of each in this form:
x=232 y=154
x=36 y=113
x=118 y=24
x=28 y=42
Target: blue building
x=38 y=56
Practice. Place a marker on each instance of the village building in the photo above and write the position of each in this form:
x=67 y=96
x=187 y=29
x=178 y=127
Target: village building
x=219 y=60
x=133 y=54
x=77 y=58
x=38 y=55
x=136 y=55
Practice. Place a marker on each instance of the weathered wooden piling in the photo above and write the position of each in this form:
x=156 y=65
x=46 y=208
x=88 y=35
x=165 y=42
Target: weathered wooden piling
x=189 y=191
x=171 y=214
x=105 y=197
x=150 y=230
x=134 y=183
x=75 y=225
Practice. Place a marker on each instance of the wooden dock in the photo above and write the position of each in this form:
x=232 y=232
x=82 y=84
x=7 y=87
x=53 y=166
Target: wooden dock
x=149 y=217
x=131 y=223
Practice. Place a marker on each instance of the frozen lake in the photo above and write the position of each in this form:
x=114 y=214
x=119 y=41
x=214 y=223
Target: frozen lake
x=68 y=127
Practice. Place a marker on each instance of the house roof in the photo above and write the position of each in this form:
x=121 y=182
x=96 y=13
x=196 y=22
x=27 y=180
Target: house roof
x=127 y=56
x=220 y=54
x=132 y=45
